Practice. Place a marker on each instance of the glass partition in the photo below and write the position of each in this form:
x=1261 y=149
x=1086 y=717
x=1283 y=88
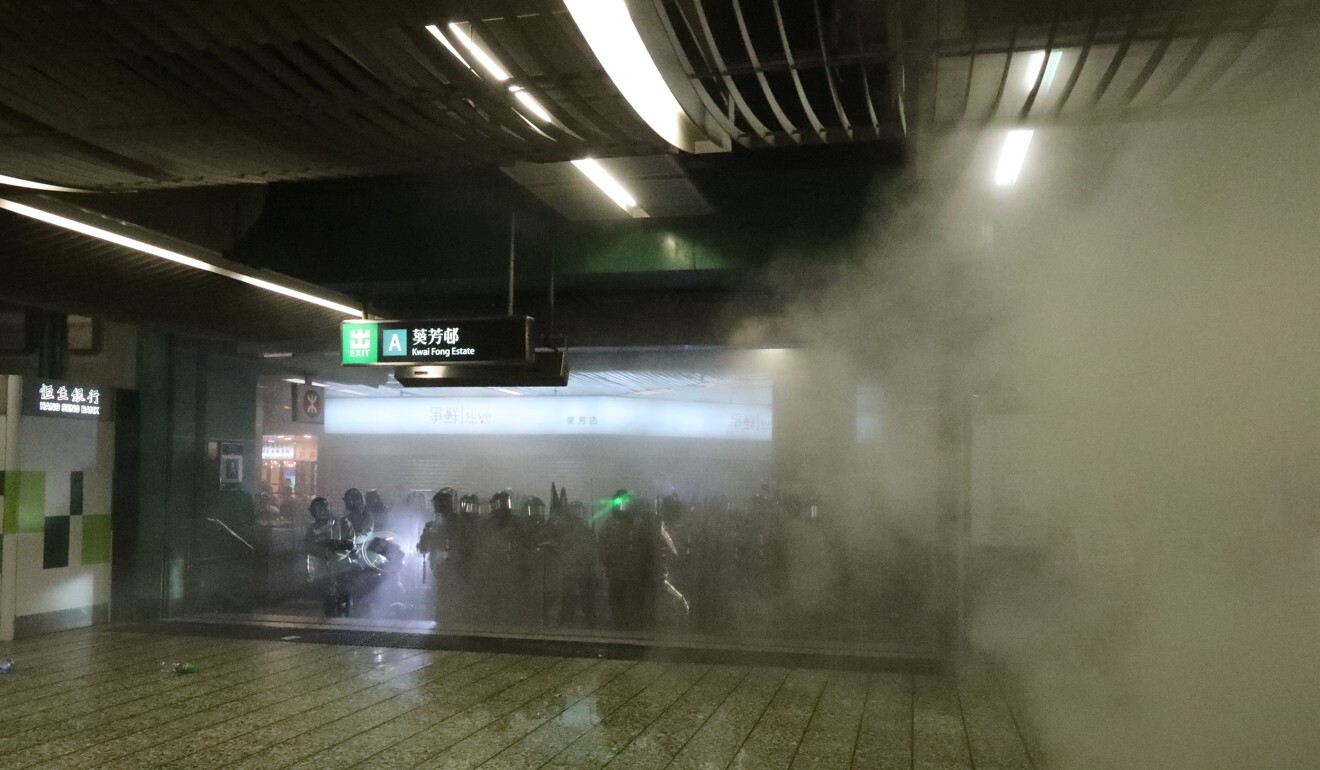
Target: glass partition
x=653 y=500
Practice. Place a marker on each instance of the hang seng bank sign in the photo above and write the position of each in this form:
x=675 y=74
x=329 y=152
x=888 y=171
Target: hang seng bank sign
x=58 y=398
x=503 y=340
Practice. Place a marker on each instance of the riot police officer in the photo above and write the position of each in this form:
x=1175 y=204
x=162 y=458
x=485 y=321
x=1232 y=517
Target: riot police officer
x=469 y=510
x=503 y=564
x=329 y=556
x=355 y=510
x=626 y=552
x=377 y=512
x=446 y=542
x=572 y=542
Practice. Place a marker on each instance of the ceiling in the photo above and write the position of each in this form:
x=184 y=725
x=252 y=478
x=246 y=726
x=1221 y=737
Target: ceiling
x=153 y=96
x=113 y=281
x=1109 y=59
x=173 y=93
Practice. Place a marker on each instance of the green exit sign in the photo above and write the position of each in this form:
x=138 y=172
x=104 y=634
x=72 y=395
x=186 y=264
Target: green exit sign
x=359 y=343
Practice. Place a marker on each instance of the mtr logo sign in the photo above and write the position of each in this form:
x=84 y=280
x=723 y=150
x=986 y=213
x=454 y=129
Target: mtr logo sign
x=359 y=344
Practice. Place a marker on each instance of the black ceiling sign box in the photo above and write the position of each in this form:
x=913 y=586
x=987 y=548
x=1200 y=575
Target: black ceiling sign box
x=72 y=400
x=550 y=369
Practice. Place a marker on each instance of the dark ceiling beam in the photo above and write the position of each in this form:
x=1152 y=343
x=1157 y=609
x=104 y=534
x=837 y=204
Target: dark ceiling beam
x=79 y=145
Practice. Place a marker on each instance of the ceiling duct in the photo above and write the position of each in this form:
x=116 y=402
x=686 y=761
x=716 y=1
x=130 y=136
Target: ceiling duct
x=797 y=73
x=550 y=370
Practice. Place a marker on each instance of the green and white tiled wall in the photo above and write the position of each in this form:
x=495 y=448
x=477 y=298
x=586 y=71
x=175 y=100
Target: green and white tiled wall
x=55 y=533
x=72 y=536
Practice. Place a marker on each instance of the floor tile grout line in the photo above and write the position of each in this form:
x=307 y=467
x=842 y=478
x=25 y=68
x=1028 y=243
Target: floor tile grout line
x=229 y=658
x=656 y=718
x=668 y=668
x=712 y=713
x=564 y=710
x=807 y=727
x=150 y=746
x=316 y=658
x=457 y=709
x=663 y=711
x=237 y=716
x=1000 y=690
x=340 y=680
x=461 y=709
x=861 y=720
x=446 y=675
x=912 y=721
x=28 y=654
x=153 y=692
x=25 y=707
x=787 y=673
x=484 y=725
x=359 y=710
x=40 y=644
x=962 y=717
x=40 y=682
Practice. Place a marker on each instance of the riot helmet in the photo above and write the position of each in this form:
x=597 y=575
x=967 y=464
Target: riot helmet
x=469 y=505
x=444 y=502
x=501 y=503
x=577 y=510
x=353 y=500
x=375 y=503
x=319 y=509
x=670 y=508
x=621 y=501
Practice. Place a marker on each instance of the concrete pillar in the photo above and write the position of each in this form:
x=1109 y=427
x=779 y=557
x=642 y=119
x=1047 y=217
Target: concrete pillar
x=815 y=417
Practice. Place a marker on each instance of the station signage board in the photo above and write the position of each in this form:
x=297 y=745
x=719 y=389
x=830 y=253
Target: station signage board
x=500 y=340
x=61 y=398
x=277 y=451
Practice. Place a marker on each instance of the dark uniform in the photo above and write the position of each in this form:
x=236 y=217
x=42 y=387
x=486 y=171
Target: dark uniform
x=503 y=565
x=447 y=543
x=355 y=507
x=574 y=544
x=329 y=546
x=627 y=552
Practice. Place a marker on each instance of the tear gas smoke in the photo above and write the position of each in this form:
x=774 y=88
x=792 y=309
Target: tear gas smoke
x=1103 y=382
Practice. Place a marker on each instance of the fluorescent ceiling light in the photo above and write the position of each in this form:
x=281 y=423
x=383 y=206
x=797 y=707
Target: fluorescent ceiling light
x=1034 y=63
x=173 y=256
x=609 y=185
x=613 y=37
x=438 y=35
x=494 y=68
x=277 y=355
x=486 y=61
x=530 y=103
x=1013 y=155
x=14 y=181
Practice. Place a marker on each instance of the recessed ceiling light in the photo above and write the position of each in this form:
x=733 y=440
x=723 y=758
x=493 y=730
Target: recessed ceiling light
x=1013 y=155
x=486 y=61
x=592 y=170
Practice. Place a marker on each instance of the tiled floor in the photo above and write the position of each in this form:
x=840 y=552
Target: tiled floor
x=98 y=698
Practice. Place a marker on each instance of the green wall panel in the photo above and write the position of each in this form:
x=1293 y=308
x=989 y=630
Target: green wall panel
x=25 y=502
x=96 y=540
